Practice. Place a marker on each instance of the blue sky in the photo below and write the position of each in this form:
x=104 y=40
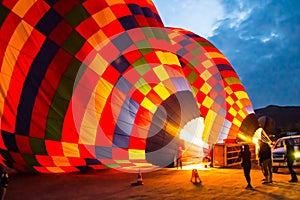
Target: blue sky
x=260 y=38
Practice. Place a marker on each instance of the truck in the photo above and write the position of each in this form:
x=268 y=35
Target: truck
x=278 y=152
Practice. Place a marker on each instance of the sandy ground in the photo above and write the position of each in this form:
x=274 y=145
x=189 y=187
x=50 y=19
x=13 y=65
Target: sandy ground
x=165 y=184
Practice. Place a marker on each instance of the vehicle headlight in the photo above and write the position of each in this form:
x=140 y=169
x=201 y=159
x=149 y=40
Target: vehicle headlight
x=297 y=154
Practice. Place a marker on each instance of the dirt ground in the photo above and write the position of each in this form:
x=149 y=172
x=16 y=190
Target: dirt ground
x=217 y=183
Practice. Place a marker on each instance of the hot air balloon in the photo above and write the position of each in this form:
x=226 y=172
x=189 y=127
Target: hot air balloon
x=96 y=84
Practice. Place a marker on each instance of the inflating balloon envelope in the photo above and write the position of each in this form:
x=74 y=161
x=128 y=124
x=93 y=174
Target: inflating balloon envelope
x=104 y=84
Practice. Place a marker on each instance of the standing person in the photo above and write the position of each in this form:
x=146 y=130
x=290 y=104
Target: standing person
x=3 y=182
x=265 y=161
x=290 y=157
x=245 y=155
x=179 y=157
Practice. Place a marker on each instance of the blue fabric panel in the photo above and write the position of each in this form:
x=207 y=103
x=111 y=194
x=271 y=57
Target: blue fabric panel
x=90 y=161
x=48 y=22
x=122 y=42
x=120 y=64
x=128 y=22
x=223 y=67
x=103 y=152
x=32 y=84
x=124 y=85
x=10 y=141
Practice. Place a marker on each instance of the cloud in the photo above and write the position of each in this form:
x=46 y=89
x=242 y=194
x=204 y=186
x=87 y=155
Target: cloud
x=264 y=50
x=201 y=17
x=261 y=40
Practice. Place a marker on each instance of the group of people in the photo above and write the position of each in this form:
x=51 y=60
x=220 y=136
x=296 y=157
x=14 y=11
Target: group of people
x=265 y=161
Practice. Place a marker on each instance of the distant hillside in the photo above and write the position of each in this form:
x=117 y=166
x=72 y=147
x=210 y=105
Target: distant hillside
x=279 y=119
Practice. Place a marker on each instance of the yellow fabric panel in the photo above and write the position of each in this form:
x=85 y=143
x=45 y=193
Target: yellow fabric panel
x=146 y=103
x=242 y=114
x=135 y=154
x=88 y=130
x=232 y=80
x=162 y=92
x=228 y=90
x=98 y=38
x=207 y=102
x=232 y=111
x=167 y=58
x=214 y=55
x=143 y=86
x=16 y=43
x=208 y=123
x=237 y=122
x=60 y=161
x=113 y=2
x=90 y=121
x=98 y=65
x=122 y=161
x=104 y=17
x=21 y=35
x=240 y=105
x=103 y=90
x=230 y=100
x=205 y=75
x=205 y=88
x=143 y=165
x=22 y=6
x=55 y=169
x=172 y=59
x=172 y=36
x=207 y=64
x=241 y=95
x=161 y=73
x=70 y=149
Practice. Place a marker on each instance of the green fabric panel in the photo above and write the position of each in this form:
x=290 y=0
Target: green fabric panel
x=38 y=146
x=194 y=90
x=30 y=159
x=30 y=169
x=196 y=52
x=145 y=51
x=76 y=16
x=3 y=14
x=143 y=44
x=61 y=101
x=192 y=77
x=74 y=43
x=205 y=44
x=141 y=66
x=232 y=80
x=160 y=35
x=193 y=63
x=139 y=62
x=148 y=32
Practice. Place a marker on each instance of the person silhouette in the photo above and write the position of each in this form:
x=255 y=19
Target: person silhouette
x=3 y=181
x=290 y=157
x=265 y=161
x=245 y=155
x=179 y=157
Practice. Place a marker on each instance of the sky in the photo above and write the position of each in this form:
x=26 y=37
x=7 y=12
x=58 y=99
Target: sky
x=260 y=38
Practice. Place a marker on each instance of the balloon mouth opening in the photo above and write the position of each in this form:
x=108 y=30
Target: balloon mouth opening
x=195 y=149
